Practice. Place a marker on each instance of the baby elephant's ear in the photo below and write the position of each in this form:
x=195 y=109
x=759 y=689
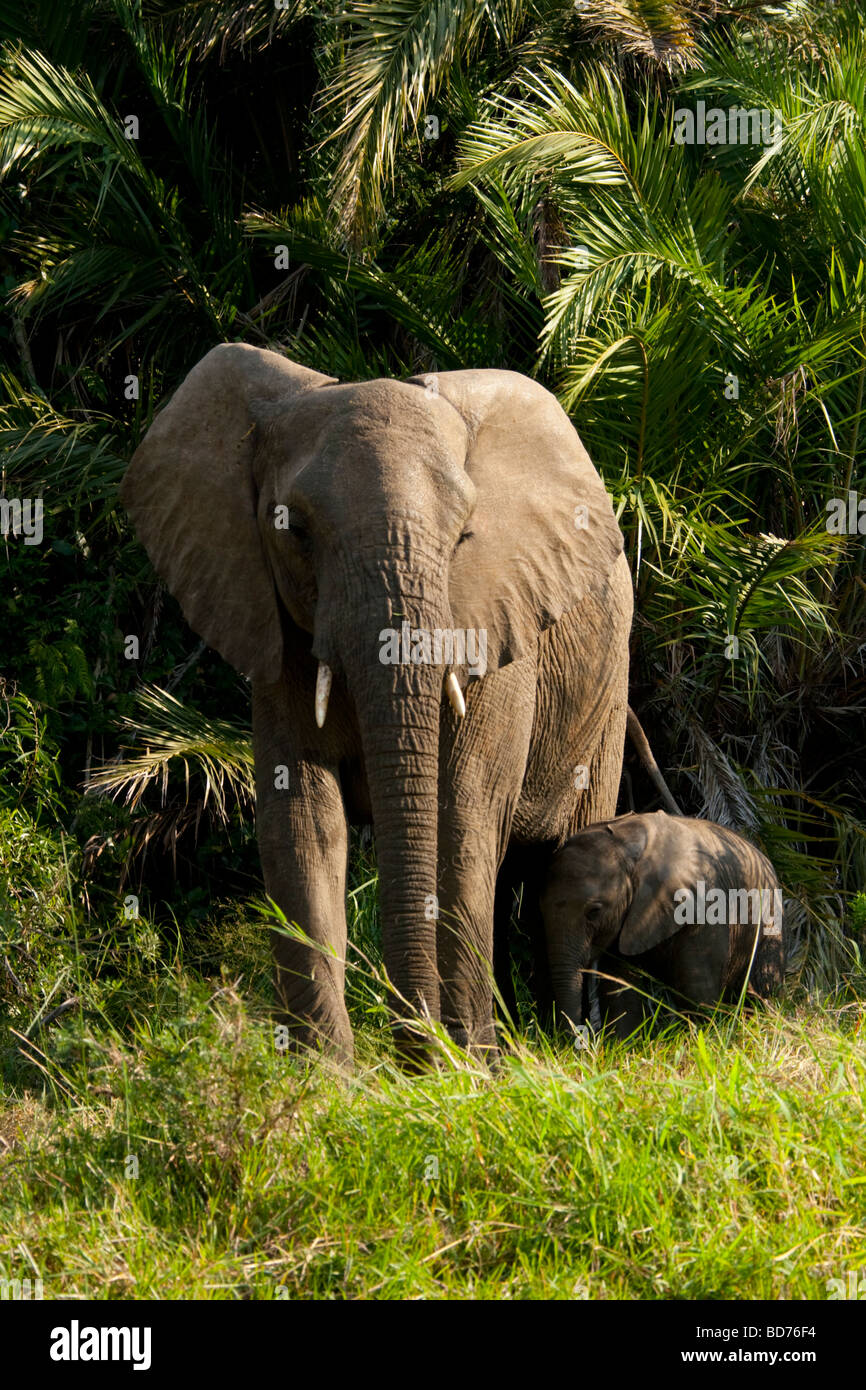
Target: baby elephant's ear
x=191 y=494
x=662 y=862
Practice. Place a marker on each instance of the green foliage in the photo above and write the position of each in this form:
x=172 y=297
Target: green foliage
x=186 y=1157
x=28 y=766
x=698 y=310
x=174 y=733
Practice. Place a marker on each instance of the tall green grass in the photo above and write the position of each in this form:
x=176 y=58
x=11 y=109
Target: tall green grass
x=154 y=1143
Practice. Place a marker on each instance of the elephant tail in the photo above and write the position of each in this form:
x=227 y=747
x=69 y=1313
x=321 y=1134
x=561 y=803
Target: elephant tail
x=645 y=753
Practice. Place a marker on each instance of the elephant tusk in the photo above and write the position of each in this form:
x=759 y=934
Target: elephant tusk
x=455 y=694
x=323 y=690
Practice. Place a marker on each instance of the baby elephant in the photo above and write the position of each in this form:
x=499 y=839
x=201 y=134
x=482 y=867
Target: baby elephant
x=680 y=899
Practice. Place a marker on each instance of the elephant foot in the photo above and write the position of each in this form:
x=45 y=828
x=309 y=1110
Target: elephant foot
x=478 y=1042
x=625 y=1011
x=415 y=1054
x=306 y=1037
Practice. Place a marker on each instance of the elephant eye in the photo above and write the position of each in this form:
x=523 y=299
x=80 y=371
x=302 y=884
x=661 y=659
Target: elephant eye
x=593 y=911
x=467 y=536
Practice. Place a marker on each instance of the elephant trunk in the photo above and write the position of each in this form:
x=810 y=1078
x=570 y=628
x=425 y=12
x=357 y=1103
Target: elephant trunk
x=398 y=706
x=402 y=772
x=566 y=975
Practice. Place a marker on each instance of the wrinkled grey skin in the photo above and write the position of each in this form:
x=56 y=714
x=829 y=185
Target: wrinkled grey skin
x=609 y=894
x=450 y=503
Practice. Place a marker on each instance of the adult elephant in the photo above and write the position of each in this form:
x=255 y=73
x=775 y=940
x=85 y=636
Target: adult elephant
x=320 y=535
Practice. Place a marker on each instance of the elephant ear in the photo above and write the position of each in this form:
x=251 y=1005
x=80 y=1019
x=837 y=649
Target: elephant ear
x=191 y=494
x=543 y=533
x=663 y=856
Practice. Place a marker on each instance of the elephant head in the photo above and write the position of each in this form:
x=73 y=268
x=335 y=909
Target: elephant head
x=273 y=500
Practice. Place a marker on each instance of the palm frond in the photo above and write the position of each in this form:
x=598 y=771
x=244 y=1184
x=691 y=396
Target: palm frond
x=395 y=57
x=202 y=27
x=179 y=739
x=661 y=32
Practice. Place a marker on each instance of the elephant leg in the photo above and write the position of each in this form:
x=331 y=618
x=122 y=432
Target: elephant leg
x=467 y=886
x=482 y=761
x=303 y=844
x=622 y=1007
x=695 y=968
